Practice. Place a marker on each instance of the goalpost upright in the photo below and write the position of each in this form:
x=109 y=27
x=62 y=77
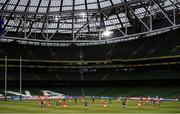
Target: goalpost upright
x=20 y=77
x=5 y=80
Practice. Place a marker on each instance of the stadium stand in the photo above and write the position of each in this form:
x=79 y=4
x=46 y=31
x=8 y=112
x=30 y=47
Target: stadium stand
x=105 y=91
x=95 y=76
x=143 y=91
x=163 y=45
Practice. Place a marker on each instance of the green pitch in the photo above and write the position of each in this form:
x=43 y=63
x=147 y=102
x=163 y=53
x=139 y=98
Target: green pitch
x=114 y=106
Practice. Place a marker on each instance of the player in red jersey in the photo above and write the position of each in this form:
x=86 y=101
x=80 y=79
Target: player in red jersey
x=64 y=104
x=140 y=103
x=49 y=103
x=158 y=102
x=104 y=104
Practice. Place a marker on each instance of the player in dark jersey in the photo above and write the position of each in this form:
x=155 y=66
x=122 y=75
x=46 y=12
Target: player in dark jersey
x=41 y=103
x=85 y=104
x=110 y=100
x=93 y=99
x=57 y=103
x=75 y=100
x=124 y=103
x=154 y=102
x=141 y=100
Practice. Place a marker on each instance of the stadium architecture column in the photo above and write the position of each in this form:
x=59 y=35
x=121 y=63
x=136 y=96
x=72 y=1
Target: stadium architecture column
x=174 y=12
x=25 y=26
x=126 y=21
x=150 y=22
x=73 y=17
x=5 y=80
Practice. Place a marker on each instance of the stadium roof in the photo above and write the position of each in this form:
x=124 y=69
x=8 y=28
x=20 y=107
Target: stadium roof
x=85 y=20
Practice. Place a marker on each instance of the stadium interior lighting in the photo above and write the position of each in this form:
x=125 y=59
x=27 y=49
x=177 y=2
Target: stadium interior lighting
x=107 y=33
x=56 y=18
x=83 y=15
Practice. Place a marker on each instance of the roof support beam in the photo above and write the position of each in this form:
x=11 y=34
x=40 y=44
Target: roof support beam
x=117 y=15
x=58 y=23
x=174 y=3
x=114 y=24
x=138 y=18
x=11 y=14
x=58 y=29
x=24 y=16
x=73 y=17
x=101 y=21
x=150 y=17
x=174 y=11
x=85 y=25
x=45 y=23
x=164 y=12
x=126 y=21
x=5 y=5
x=87 y=16
x=129 y=16
x=7 y=30
x=31 y=31
x=35 y=15
x=60 y=10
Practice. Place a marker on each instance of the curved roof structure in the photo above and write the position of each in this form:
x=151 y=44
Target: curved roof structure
x=86 y=20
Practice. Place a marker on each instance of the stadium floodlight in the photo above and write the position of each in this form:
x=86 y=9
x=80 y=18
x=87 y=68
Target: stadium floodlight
x=83 y=15
x=56 y=18
x=107 y=33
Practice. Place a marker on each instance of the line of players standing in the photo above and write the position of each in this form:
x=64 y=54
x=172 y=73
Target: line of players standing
x=59 y=102
x=141 y=101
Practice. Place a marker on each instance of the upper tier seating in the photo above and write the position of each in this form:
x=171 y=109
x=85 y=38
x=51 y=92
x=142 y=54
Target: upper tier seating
x=160 y=45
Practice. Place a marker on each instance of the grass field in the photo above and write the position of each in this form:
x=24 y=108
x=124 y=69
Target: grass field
x=31 y=106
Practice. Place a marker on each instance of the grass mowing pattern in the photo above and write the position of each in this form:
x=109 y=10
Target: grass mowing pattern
x=31 y=106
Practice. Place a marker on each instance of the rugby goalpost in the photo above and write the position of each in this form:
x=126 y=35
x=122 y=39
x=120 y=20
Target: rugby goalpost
x=5 y=74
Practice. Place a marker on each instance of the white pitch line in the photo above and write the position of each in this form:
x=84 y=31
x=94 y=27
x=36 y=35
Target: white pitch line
x=88 y=113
